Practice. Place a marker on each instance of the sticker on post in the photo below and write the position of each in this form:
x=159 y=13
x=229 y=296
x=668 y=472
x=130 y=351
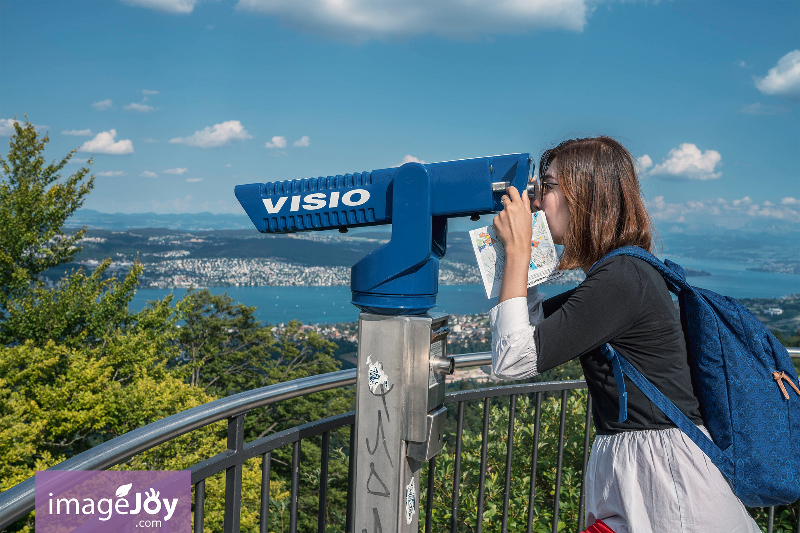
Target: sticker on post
x=411 y=501
x=377 y=376
x=434 y=378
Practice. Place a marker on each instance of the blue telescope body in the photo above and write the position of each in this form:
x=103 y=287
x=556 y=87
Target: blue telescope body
x=400 y=277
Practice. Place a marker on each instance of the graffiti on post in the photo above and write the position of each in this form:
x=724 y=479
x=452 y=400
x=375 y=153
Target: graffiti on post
x=379 y=432
x=376 y=520
x=378 y=386
x=372 y=473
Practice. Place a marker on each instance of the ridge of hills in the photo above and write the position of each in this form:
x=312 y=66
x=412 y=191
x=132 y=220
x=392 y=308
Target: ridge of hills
x=765 y=245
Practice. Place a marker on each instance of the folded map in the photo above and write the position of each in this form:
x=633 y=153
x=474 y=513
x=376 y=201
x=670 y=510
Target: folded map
x=491 y=256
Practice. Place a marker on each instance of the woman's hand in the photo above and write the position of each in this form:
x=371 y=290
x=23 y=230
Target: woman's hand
x=513 y=226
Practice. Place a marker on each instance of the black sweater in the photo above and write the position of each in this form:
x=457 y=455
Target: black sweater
x=623 y=301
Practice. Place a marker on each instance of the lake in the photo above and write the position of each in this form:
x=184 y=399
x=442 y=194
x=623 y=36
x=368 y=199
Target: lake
x=332 y=304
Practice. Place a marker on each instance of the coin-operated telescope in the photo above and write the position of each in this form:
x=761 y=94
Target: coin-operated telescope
x=402 y=347
x=401 y=277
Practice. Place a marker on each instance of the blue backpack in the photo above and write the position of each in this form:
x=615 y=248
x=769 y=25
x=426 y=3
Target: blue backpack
x=745 y=382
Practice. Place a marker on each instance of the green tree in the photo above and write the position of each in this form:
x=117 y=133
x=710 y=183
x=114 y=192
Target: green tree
x=34 y=203
x=58 y=400
x=77 y=368
x=82 y=309
x=224 y=350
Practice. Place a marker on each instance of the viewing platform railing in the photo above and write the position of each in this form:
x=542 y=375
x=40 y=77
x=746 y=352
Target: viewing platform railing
x=19 y=500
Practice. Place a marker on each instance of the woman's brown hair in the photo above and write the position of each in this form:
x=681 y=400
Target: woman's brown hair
x=598 y=178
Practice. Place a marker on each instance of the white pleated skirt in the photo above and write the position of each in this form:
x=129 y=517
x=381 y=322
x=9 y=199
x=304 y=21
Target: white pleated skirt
x=660 y=482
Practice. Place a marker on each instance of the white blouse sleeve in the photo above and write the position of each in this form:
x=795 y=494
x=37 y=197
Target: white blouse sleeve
x=513 y=323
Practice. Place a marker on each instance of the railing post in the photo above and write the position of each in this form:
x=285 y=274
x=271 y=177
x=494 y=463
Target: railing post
x=457 y=471
x=295 y=493
x=266 y=471
x=586 y=441
x=323 y=483
x=233 y=476
x=560 y=461
x=351 y=482
x=509 y=452
x=399 y=416
x=534 y=460
x=199 y=505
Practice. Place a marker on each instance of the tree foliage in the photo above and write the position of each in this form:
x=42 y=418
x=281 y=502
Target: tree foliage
x=82 y=309
x=34 y=204
x=225 y=349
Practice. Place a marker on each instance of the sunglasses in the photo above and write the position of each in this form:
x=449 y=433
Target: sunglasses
x=541 y=188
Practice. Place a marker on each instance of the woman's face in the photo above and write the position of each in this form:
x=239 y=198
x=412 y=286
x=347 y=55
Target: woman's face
x=552 y=201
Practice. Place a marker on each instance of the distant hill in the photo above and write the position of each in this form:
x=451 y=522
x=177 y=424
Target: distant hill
x=757 y=245
x=184 y=221
x=765 y=244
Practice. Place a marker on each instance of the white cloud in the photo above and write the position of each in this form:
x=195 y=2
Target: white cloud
x=760 y=109
x=218 y=135
x=369 y=19
x=78 y=133
x=141 y=108
x=148 y=91
x=176 y=171
x=643 y=163
x=103 y=143
x=110 y=173
x=228 y=165
x=102 y=105
x=741 y=63
x=150 y=140
x=302 y=141
x=689 y=163
x=148 y=174
x=784 y=78
x=723 y=211
x=411 y=159
x=279 y=141
x=194 y=180
x=178 y=7
x=7 y=126
x=78 y=161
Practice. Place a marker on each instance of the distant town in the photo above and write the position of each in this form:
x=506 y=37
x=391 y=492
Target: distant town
x=238 y=258
x=468 y=334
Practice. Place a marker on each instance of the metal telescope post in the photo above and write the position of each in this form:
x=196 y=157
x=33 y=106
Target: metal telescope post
x=402 y=346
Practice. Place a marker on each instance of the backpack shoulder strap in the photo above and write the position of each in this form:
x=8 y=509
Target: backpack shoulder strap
x=622 y=366
x=671 y=272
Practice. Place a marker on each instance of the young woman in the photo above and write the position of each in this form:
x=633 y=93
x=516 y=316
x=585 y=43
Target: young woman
x=644 y=474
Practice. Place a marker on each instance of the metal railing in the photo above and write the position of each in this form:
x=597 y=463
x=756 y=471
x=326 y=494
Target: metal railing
x=19 y=500
x=512 y=391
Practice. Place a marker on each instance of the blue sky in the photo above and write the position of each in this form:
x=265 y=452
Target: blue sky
x=178 y=101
